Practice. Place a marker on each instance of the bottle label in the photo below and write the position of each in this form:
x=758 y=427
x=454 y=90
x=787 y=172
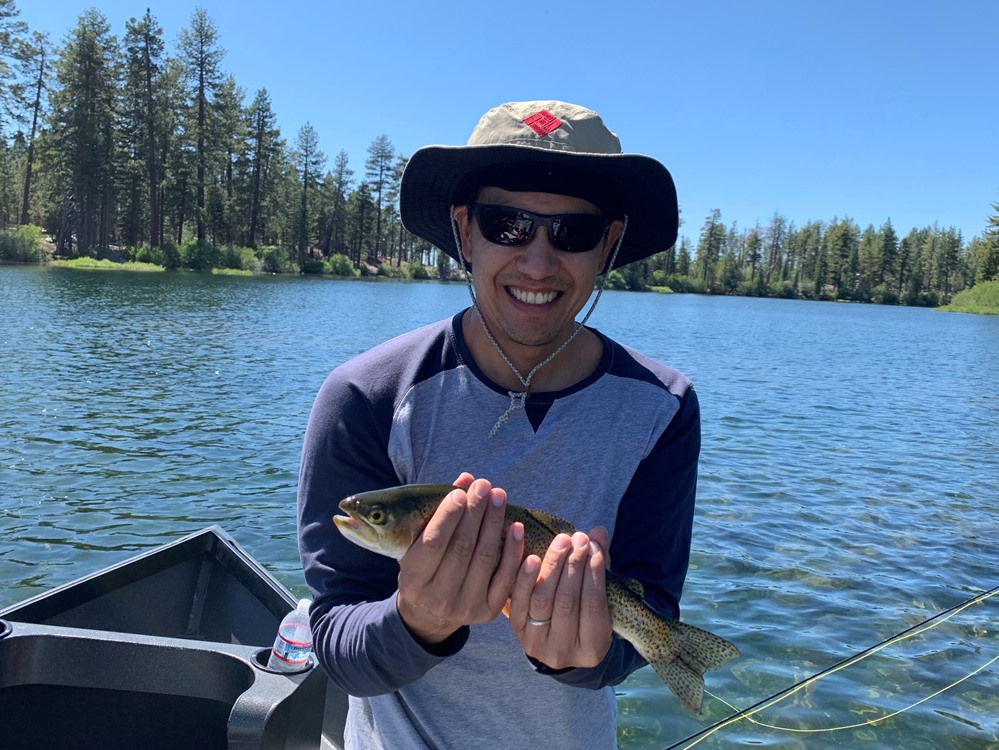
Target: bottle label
x=292 y=652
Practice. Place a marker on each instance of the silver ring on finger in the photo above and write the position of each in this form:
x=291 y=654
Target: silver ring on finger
x=539 y=623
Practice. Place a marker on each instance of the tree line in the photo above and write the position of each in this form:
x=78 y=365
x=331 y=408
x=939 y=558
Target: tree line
x=117 y=147
x=114 y=143
x=830 y=260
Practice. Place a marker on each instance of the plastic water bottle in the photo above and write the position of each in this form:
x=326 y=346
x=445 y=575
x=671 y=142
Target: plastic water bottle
x=293 y=644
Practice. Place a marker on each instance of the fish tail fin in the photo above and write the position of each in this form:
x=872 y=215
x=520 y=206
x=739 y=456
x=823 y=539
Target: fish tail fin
x=682 y=660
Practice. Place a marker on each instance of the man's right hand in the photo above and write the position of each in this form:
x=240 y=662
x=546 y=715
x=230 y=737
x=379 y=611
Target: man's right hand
x=460 y=570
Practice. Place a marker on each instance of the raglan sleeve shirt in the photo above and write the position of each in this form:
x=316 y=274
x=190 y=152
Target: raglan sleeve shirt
x=360 y=638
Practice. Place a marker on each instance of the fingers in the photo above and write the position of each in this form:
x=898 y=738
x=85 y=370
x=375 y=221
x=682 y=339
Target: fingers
x=449 y=571
x=505 y=576
x=477 y=543
x=464 y=480
x=563 y=590
x=595 y=625
x=599 y=535
x=463 y=537
x=519 y=608
x=558 y=608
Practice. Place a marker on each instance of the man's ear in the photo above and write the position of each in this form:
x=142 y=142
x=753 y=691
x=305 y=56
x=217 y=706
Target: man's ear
x=463 y=221
x=611 y=238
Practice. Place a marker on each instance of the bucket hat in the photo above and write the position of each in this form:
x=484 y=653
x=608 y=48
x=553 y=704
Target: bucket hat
x=554 y=147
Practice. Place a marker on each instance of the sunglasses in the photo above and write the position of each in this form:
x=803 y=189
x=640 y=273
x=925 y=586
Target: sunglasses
x=514 y=227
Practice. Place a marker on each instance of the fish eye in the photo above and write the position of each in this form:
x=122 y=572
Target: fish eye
x=377 y=516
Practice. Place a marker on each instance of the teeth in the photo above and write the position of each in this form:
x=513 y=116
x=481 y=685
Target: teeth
x=533 y=298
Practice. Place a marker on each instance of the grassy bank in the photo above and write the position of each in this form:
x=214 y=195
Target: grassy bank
x=982 y=299
x=105 y=265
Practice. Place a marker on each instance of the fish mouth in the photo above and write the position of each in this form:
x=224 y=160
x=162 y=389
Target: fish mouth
x=347 y=523
x=362 y=534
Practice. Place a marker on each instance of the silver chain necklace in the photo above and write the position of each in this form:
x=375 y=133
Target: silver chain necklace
x=518 y=399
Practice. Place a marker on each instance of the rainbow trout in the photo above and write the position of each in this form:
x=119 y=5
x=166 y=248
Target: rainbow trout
x=388 y=521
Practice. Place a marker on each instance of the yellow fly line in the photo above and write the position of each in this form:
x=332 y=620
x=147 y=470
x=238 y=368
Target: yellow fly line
x=773 y=701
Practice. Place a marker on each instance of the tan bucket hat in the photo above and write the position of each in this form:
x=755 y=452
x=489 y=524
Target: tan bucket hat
x=545 y=146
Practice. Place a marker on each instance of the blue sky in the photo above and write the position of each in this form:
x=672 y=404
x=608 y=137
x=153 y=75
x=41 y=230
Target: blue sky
x=815 y=109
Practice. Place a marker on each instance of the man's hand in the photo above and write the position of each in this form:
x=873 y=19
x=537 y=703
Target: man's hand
x=558 y=609
x=460 y=571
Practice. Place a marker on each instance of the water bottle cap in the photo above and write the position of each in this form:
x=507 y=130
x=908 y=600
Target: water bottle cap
x=303 y=606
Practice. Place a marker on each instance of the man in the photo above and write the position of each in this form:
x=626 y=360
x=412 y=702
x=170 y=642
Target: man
x=515 y=399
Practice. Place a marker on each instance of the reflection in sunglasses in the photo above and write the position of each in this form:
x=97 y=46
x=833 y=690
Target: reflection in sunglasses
x=514 y=227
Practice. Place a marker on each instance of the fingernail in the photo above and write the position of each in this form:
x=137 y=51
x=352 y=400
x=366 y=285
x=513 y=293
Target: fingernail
x=518 y=532
x=562 y=543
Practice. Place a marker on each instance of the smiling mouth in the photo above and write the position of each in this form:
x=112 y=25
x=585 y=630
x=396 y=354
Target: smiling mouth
x=533 y=298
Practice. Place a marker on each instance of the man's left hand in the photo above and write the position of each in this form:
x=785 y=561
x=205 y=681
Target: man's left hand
x=558 y=608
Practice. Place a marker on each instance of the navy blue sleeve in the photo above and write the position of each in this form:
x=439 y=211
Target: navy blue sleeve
x=360 y=638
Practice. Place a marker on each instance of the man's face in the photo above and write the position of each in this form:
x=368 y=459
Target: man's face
x=530 y=295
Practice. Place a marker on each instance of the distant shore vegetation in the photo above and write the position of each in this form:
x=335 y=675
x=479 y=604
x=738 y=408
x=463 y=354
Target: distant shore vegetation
x=982 y=299
x=122 y=149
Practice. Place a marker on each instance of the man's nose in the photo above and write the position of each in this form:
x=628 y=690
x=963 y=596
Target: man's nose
x=538 y=258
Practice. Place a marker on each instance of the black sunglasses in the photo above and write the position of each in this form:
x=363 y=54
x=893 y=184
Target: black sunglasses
x=514 y=227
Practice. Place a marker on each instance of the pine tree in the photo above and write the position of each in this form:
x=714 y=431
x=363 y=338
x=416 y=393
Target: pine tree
x=360 y=207
x=889 y=252
x=869 y=261
x=805 y=248
x=310 y=162
x=986 y=259
x=202 y=58
x=83 y=128
x=753 y=252
x=378 y=170
x=709 y=248
x=142 y=124
x=840 y=255
x=776 y=238
x=338 y=186
x=34 y=65
x=684 y=264
x=12 y=34
x=262 y=146
x=229 y=139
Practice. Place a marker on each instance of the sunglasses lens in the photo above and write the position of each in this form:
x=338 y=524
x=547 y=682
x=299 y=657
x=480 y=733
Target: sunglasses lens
x=571 y=233
x=577 y=233
x=505 y=226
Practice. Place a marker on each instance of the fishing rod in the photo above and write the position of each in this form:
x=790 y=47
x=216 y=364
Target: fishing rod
x=922 y=627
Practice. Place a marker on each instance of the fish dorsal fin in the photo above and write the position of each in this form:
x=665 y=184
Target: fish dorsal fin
x=554 y=524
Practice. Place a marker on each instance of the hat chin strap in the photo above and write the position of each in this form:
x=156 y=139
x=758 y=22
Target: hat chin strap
x=519 y=398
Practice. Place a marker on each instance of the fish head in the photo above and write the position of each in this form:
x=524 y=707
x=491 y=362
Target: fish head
x=387 y=521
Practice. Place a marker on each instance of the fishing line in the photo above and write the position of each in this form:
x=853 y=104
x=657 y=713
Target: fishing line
x=776 y=698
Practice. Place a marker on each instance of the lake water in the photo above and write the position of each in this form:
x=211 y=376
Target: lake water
x=849 y=480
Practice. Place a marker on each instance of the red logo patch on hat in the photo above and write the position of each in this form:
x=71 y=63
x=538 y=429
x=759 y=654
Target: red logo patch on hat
x=543 y=122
